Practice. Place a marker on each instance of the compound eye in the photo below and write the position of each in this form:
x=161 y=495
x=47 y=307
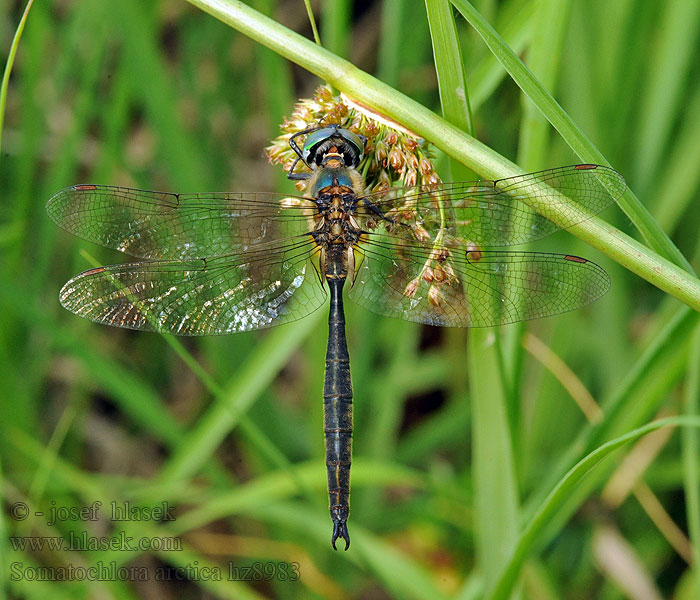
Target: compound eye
x=313 y=140
x=355 y=141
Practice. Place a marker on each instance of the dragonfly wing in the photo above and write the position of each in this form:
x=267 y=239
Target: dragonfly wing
x=201 y=296
x=497 y=213
x=165 y=226
x=453 y=287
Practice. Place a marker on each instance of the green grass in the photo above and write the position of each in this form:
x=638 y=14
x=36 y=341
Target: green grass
x=475 y=473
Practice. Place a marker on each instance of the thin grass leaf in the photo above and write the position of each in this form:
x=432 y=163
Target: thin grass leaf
x=8 y=66
x=675 y=189
x=561 y=493
x=674 y=335
x=495 y=484
x=690 y=441
x=252 y=377
x=452 y=81
x=543 y=59
x=312 y=21
x=391 y=40
x=517 y=23
x=669 y=69
x=495 y=490
x=336 y=26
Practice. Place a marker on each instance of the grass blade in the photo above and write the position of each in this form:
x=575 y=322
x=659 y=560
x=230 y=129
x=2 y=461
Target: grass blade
x=495 y=490
x=222 y=416
x=8 y=65
x=452 y=82
x=690 y=456
x=672 y=55
x=560 y=494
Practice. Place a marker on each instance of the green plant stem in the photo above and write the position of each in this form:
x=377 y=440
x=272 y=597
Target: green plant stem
x=366 y=89
x=8 y=66
x=495 y=482
x=312 y=20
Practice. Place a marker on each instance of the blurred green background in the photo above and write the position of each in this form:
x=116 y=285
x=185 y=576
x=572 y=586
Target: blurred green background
x=228 y=430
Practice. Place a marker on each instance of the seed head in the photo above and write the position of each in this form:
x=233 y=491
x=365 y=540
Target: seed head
x=388 y=151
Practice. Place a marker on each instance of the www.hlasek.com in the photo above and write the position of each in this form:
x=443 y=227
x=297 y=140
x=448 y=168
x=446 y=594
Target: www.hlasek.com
x=84 y=542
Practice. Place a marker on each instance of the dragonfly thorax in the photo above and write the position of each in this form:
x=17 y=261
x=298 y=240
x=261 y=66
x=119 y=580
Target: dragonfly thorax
x=337 y=231
x=336 y=223
x=335 y=176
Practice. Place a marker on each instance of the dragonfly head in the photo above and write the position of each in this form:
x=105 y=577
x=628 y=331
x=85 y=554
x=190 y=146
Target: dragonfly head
x=333 y=143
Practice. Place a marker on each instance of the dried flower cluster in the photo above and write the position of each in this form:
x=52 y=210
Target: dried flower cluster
x=393 y=156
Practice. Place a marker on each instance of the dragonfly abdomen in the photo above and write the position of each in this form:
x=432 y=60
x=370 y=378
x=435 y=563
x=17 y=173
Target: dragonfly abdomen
x=337 y=411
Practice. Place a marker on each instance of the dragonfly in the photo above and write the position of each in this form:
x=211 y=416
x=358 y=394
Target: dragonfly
x=220 y=263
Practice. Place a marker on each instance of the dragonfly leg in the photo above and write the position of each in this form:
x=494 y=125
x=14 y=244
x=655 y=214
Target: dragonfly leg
x=294 y=145
x=376 y=210
x=297 y=176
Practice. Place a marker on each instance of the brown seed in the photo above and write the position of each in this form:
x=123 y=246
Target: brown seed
x=421 y=233
x=411 y=178
x=411 y=288
x=435 y=297
x=371 y=129
x=396 y=159
x=439 y=254
x=425 y=167
x=381 y=152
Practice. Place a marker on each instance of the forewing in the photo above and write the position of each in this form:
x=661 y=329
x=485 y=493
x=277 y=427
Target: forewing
x=454 y=287
x=201 y=296
x=163 y=226
x=495 y=213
